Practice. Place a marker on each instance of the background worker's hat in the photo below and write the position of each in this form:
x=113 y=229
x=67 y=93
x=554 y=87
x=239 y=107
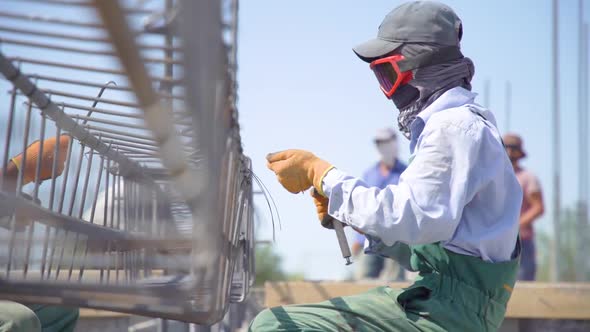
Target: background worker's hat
x=514 y=141
x=413 y=22
x=384 y=134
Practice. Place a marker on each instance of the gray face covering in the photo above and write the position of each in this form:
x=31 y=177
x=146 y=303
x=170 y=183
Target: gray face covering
x=428 y=84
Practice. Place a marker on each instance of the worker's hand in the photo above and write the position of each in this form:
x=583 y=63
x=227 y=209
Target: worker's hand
x=32 y=157
x=321 y=206
x=298 y=170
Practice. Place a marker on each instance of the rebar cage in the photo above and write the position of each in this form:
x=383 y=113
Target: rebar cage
x=152 y=213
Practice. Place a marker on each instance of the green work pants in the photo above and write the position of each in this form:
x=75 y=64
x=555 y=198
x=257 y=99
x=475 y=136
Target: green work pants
x=453 y=292
x=375 y=310
x=15 y=317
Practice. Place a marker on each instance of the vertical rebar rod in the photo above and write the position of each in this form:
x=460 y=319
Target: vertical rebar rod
x=71 y=268
x=61 y=254
x=132 y=210
x=66 y=173
x=101 y=275
x=127 y=217
x=85 y=241
x=51 y=201
x=581 y=144
x=6 y=157
x=113 y=195
x=119 y=201
x=585 y=227
x=137 y=211
x=64 y=187
x=81 y=209
x=37 y=183
x=106 y=195
x=76 y=180
x=21 y=172
x=97 y=190
x=54 y=245
x=38 y=179
x=105 y=216
x=556 y=160
x=86 y=183
x=144 y=227
x=5 y=160
x=92 y=212
x=143 y=224
x=581 y=261
x=113 y=198
x=153 y=232
x=126 y=208
x=54 y=167
x=71 y=209
x=155 y=219
x=117 y=255
x=108 y=256
x=28 y=243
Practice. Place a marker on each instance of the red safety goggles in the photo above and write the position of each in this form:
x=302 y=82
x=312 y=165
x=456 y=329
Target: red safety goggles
x=389 y=75
x=396 y=70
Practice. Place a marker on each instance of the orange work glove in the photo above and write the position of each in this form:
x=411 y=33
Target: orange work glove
x=298 y=170
x=32 y=151
x=321 y=206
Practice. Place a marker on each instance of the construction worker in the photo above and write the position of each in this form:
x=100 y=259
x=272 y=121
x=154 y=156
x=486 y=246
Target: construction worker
x=382 y=173
x=453 y=216
x=532 y=206
x=16 y=317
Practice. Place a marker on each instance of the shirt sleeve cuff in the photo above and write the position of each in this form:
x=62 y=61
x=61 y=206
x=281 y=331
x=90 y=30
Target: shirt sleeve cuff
x=332 y=178
x=373 y=245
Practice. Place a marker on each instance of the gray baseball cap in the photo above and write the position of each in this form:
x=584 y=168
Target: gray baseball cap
x=413 y=22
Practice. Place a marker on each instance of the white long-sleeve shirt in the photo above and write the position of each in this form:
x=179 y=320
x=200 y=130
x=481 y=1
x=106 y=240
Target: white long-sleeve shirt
x=459 y=188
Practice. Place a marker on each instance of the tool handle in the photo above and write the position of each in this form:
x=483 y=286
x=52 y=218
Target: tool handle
x=331 y=223
x=342 y=241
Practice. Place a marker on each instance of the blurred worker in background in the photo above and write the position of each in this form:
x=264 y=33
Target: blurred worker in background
x=383 y=173
x=532 y=206
x=453 y=216
x=16 y=317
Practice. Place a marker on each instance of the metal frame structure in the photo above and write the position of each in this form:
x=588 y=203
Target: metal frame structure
x=152 y=214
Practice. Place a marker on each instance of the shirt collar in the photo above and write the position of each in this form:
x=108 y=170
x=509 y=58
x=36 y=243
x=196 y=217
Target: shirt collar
x=455 y=97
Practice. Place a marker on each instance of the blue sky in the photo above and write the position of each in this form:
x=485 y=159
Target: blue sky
x=302 y=87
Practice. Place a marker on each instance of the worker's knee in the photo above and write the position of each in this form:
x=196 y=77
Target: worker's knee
x=264 y=321
x=15 y=317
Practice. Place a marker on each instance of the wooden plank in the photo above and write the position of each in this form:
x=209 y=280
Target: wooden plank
x=529 y=300
x=550 y=300
x=93 y=313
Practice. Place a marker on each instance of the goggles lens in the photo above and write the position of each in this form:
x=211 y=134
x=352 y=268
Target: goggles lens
x=389 y=75
x=386 y=75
